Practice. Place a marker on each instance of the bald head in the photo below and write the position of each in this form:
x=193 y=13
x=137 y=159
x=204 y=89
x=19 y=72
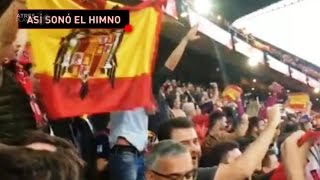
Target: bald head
x=189 y=108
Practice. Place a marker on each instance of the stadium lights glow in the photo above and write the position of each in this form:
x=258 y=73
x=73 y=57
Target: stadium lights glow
x=203 y=7
x=184 y=14
x=252 y=62
x=254 y=80
x=316 y=90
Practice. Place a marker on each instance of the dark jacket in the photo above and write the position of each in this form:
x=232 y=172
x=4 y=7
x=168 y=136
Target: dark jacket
x=16 y=116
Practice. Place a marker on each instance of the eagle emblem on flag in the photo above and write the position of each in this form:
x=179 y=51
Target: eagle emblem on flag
x=86 y=53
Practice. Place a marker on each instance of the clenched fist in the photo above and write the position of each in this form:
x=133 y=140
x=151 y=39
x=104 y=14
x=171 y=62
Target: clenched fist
x=274 y=115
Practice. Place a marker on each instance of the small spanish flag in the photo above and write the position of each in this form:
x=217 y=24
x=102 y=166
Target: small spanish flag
x=298 y=101
x=88 y=71
x=232 y=92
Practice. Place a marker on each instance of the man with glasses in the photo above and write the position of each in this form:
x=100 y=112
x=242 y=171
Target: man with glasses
x=182 y=130
x=169 y=160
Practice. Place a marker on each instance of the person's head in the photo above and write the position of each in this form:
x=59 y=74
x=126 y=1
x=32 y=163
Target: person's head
x=173 y=101
x=190 y=87
x=190 y=109
x=182 y=130
x=205 y=97
x=306 y=126
x=168 y=89
x=224 y=152
x=41 y=157
x=184 y=98
x=198 y=89
x=179 y=90
x=230 y=112
x=174 y=83
x=218 y=121
x=270 y=162
x=169 y=160
x=289 y=126
x=40 y=137
x=316 y=123
x=256 y=126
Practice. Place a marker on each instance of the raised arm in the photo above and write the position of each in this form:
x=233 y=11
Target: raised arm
x=175 y=57
x=240 y=130
x=240 y=108
x=295 y=157
x=171 y=63
x=216 y=94
x=245 y=166
x=272 y=100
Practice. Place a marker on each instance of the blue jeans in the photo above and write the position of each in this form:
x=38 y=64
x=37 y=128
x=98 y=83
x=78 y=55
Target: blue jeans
x=126 y=166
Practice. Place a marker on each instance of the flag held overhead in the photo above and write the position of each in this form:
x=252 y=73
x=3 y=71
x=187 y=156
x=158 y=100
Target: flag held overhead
x=88 y=71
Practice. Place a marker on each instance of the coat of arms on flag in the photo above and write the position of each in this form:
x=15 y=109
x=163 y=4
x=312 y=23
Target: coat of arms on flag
x=88 y=71
x=85 y=53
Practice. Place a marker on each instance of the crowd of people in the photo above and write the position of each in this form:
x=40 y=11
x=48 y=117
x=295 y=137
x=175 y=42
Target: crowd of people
x=192 y=133
x=224 y=140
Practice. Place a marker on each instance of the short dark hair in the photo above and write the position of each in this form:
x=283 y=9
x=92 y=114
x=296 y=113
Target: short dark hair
x=289 y=126
x=167 y=127
x=40 y=137
x=4 y=4
x=253 y=122
x=218 y=153
x=24 y=163
x=214 y=118
x=171 y=99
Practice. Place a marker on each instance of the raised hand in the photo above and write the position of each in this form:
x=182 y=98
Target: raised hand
x=192 y=34
x=295 y=157
x=245 y=117
x=276 y=87
x=274 y=115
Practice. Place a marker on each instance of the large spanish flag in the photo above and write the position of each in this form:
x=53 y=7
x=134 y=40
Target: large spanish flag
x=87 y=71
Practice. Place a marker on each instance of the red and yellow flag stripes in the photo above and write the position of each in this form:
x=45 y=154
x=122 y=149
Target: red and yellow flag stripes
x=87 y=71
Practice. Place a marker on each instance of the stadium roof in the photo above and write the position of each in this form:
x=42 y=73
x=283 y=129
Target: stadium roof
x=289 y=25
